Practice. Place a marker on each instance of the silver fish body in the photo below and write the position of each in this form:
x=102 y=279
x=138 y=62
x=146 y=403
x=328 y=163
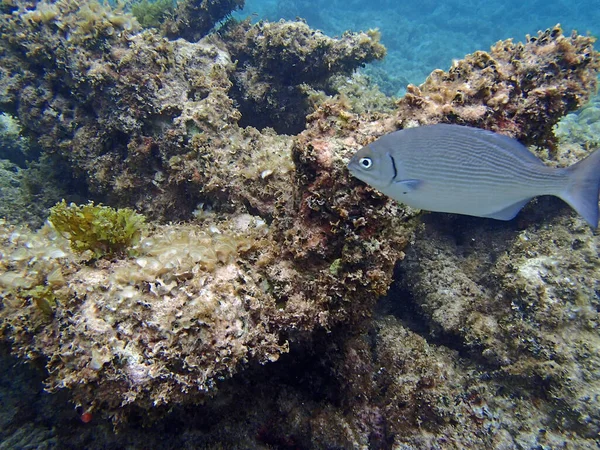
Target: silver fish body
x=465 y=170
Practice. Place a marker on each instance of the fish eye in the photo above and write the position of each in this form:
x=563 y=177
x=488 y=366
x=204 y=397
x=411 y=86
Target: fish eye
x=365 y=163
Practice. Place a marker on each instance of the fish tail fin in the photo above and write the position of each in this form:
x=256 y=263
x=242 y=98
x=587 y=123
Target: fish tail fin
x=584 y=188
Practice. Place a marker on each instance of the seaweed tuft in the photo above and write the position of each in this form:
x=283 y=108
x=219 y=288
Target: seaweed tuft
x=102 y=230
x=152 y=14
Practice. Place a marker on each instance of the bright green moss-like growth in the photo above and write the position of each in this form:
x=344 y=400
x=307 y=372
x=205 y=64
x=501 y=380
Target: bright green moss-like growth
x=151 y=14
x=96 y=228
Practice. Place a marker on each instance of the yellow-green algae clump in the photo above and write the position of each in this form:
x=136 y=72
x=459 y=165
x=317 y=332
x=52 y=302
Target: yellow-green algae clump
x=98 y=229
x=152 y=14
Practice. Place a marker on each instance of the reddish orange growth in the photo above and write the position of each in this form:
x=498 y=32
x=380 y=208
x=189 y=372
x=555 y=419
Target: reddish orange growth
x=86 y=417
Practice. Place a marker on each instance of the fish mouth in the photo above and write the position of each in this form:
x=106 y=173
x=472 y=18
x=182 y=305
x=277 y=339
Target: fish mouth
x=355 y=170
x=352 y=166
x=368 y=178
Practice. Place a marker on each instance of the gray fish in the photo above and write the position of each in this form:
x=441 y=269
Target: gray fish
x=465 y=170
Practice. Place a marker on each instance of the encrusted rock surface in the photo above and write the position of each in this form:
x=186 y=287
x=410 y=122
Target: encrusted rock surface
x=150 y=122
x=279 y=63
x=518 y=89
x=193 y=19
x=283 y=251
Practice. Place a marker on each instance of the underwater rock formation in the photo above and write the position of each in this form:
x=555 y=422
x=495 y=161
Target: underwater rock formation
x=187 y=19
x=583 y=126
x=279 y=62
x=194 y=307
x=28 y=185
x=157 y=329
x=193 y=19
x=518 y=89
x=521 y=300
x=143 y=120
x=285 y=243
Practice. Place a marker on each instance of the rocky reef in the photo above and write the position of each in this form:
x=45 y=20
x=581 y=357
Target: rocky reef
x=194 y=19
x=279 y=64
x=29 y=182
x=263 y=294
x=504 y=90
x=138 y=116
x=521 y=303
x=120 y=119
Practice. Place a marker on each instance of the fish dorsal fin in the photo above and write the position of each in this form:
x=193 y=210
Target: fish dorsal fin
x=509 y=212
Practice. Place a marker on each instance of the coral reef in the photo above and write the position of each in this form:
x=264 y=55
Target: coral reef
x=278 y=61
x=521 y=90
x=287 y=252
x=193 y=19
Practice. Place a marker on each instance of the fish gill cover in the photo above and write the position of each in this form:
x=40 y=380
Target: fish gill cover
x=282 y=251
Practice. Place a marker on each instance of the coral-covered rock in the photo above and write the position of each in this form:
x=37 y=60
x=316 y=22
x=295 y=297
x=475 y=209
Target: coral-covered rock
x=524 y=301
x=278 y=61
x=518 y=89
x=193 y=19
x=286 y=242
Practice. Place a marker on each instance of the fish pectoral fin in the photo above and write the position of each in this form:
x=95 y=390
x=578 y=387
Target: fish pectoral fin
x=509 y=212
x=408 y=185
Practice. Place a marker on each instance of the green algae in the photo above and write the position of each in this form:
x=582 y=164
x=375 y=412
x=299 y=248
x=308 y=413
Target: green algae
x=152 y=14
x=100 y=229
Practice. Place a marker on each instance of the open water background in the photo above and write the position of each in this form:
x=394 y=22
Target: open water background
x=428 y=34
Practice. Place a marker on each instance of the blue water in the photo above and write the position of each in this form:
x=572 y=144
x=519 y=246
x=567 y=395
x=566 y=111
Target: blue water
x=427 y=34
